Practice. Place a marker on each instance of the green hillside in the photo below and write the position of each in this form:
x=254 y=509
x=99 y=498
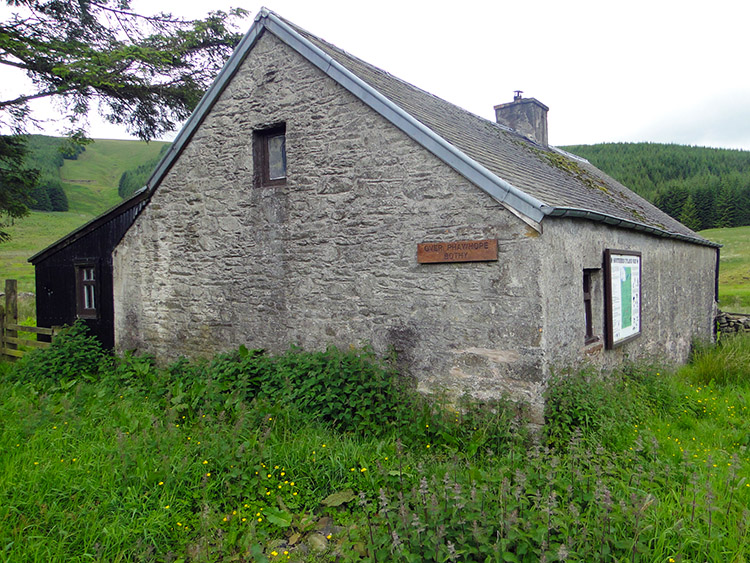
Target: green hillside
x=90 y=183
x=734 y=271
x=134 y=179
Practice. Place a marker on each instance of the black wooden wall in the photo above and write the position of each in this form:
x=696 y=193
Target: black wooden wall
x=56 y=271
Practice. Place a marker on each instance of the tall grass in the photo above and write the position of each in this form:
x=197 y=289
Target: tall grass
x=734 y=283
x=726 y=363
x=232 y=460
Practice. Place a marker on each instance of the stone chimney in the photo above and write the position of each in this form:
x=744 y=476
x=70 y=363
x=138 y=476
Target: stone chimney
x=527 y=116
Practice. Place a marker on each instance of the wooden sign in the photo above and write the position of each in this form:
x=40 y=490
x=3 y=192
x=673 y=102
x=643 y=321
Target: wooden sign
x=457 y=251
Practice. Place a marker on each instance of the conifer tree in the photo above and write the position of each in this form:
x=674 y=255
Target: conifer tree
x=689 y=215
x=726 y=207
x=146 y=72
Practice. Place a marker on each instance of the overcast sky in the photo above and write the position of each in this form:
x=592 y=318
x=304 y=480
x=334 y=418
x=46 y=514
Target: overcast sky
x=657 y=70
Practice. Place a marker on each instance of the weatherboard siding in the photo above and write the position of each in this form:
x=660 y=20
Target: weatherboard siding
x=331 y=257
x=55 y=271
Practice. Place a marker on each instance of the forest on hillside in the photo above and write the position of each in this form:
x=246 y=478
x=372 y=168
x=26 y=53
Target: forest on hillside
x=134 y=179
x=46 y=154
x=703 y=188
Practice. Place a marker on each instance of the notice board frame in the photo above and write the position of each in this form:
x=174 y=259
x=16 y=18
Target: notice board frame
x=622 y=278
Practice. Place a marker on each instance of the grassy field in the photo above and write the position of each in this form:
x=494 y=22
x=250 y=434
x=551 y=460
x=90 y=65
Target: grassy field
x=734 y=272
x=90 y=183
x=295 y=458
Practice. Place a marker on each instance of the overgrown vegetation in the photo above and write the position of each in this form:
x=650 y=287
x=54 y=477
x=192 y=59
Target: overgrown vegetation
x=331 y=456
x=701 y=187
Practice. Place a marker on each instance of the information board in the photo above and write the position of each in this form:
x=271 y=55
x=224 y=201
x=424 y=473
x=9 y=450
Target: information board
x=622 y=288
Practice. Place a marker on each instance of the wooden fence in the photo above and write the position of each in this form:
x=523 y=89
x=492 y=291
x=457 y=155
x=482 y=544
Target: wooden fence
x=9 y=327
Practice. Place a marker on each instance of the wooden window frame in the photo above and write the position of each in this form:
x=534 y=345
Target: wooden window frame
x=589 y=291
x=87 y=290
x=587 y=309
x=262 y=159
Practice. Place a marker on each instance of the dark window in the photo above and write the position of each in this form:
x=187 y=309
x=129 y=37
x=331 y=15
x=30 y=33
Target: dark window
x=587 y=309
x=270 y=156
x=86 y=291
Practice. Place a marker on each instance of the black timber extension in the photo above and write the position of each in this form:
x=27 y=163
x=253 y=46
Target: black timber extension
x=74 y=276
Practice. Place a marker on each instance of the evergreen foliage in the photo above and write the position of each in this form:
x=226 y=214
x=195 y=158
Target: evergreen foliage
x=689 y=215
x=702 y=187
x=133 y=180
x=16 y=181
x=146 y=72
x=47 y=155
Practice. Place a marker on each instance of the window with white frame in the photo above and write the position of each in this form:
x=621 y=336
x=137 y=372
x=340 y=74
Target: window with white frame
x=86 y=291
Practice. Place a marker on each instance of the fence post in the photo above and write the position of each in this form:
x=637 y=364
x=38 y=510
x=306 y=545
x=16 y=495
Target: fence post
x=11 y=312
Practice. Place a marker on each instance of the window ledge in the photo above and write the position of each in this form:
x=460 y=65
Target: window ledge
x=593 y=347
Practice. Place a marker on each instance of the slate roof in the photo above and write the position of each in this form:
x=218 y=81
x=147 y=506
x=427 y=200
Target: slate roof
x=536 y=182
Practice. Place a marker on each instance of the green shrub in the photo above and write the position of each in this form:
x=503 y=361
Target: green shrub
x=73 y=355
x=603 y=407
x=346 y=390
x=652 y=388
x=137 y=372
x=350 y=390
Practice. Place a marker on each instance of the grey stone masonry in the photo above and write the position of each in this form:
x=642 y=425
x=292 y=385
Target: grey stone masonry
x=527 y=116
x=732 y=322
x=330 y=258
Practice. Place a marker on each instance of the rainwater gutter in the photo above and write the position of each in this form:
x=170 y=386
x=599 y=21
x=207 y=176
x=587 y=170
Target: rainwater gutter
x=572 y=212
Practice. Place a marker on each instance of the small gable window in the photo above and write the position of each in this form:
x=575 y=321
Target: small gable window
x=270 y=156
x=86 y=291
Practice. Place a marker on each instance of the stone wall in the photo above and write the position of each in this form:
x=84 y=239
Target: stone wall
x=331 y=257
x=732 y=322
x=214 y=261
x=677 y=294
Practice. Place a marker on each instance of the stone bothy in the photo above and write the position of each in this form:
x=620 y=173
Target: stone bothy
x=314 y=199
